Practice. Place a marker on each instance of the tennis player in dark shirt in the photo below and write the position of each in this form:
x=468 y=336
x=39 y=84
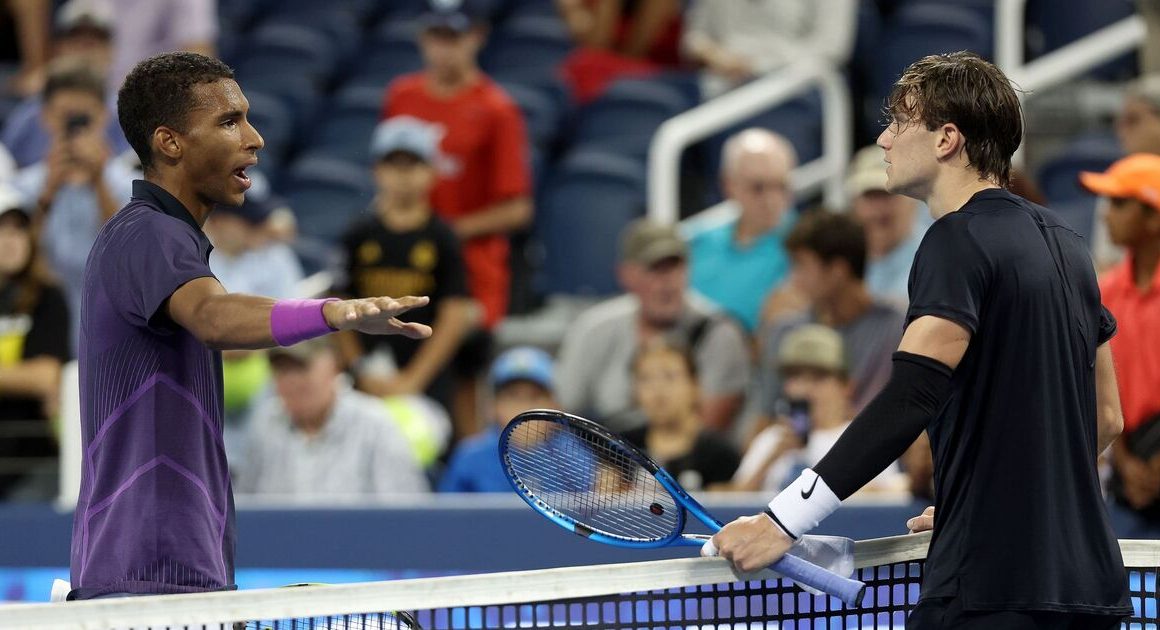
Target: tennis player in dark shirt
x=1004 y=361
x=155 y=512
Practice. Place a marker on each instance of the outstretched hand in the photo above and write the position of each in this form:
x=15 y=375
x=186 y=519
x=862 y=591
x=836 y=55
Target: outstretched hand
x=377 y=316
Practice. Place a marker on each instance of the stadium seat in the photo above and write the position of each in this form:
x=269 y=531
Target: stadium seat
x=541 y=112
x=626 y=116
x=275 y=121
x=926 y=28
x=1049 y=28
x=281 y=49
x=326 y=194
x=339 y=25
x=390 y=51
x=587 y=201
x=346 y=123
x=299 y=92
x=1058 y=177
x=535 y=45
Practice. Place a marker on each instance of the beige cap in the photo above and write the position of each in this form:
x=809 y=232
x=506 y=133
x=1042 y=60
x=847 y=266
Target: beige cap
x=812 y=346
x=867 y=172
x=647 y=242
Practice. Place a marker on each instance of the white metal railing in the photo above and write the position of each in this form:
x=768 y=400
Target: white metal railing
x=1065 y=63
x=747 y=101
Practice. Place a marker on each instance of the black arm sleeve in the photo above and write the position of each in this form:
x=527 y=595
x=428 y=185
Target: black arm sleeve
x=917 y=389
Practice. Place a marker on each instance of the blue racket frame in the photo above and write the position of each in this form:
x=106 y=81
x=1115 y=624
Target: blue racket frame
x=850 y=591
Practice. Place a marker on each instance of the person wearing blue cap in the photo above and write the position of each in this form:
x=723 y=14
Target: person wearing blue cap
x=403 y=246
x=521 y=380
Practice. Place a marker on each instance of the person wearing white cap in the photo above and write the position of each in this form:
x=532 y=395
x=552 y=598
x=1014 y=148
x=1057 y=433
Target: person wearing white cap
x=403 y=246
x=891 y=222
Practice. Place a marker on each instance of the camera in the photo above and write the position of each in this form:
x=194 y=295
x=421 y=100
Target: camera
x=76 y=123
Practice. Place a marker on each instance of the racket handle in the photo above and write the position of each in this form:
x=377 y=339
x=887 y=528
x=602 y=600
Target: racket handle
x=848 y=590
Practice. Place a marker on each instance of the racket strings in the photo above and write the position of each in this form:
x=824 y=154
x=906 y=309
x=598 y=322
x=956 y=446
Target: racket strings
x=591 y=480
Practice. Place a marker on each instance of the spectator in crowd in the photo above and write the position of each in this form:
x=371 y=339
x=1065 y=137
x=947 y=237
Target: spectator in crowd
x=618 y=38
x=483 y=188
x=1150 y=51
x=521 y=380
x=892 y=226
x=245 y=259
x=594 y=370
x=149 y=27
x=25 y=28
x=1138 y=124
x=737 y=40
x=320 y=439
x=79 y=185
x=1131 y=291
x=829 y=263
x=664 y=379
x=736 y=264
x=401 y=249
x=84 y=35
x=815 y=411
x=33 y=340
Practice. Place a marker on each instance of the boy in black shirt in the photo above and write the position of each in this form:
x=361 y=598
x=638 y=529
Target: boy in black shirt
x=1004 y=360
x=405 y=247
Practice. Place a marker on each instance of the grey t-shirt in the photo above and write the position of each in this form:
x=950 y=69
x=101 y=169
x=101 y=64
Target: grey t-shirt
x=359 y=452
x=870 y=342
x=593 y=372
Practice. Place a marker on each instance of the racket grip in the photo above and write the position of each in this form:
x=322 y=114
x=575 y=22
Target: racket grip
x=848 y=590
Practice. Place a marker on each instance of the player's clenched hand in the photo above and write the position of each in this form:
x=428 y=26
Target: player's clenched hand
x=751 y=543
x=377 y=316
x=922 y=522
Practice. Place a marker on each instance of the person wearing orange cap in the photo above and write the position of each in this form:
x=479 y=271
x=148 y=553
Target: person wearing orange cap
x=1131 y=291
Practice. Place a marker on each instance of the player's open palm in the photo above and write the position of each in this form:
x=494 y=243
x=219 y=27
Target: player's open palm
x=377 y=316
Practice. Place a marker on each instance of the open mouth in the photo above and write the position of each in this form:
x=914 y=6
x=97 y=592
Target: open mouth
x=242 y=178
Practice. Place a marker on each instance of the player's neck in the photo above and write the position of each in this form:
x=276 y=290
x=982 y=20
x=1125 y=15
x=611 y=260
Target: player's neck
x=1145 y=257
x=846 y=306
x=954 y=189
x=183 y=191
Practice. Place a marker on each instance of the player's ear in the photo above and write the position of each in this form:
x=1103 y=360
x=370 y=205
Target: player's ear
x=166 y=143
x=949 y=141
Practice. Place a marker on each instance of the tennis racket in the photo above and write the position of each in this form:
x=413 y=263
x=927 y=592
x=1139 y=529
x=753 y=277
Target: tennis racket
x=593 y=483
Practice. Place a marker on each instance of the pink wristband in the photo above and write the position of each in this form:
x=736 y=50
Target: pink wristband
x=292 y=321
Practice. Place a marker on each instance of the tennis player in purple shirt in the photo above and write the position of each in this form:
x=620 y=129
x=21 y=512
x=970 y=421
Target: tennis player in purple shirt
x=156 y=511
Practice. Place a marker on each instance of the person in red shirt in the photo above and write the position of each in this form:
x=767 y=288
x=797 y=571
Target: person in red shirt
x=1131 y=291
x=483 y=188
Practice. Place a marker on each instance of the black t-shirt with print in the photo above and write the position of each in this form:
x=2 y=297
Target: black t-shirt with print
x=382 y=262
x=1020 y=522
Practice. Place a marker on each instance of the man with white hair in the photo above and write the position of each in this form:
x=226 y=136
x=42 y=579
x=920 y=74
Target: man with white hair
x=1138 y=125
x=737 y=263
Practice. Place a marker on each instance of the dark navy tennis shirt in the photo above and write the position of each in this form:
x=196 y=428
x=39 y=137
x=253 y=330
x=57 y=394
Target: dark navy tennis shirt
x=1020 y=521
x=155 y=513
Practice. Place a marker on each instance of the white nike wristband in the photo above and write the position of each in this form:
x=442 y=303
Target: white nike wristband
x=803 y=504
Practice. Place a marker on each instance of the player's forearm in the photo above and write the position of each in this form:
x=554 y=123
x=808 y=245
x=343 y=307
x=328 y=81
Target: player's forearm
x=38 y=377
x=1109 y=414
x=453 y=321
x=501 y=218
x=234 y=321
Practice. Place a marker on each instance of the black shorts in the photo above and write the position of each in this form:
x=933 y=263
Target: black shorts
x=946 y=613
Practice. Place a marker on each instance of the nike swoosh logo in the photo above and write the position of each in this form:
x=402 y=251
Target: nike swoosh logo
x=807 y=493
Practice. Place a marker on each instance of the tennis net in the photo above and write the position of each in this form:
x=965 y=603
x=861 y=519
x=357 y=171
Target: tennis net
x=689 y=593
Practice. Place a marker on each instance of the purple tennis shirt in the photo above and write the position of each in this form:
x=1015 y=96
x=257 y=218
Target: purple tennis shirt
x=156 y=512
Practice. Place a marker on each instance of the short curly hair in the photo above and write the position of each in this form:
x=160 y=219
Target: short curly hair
x=158 y=92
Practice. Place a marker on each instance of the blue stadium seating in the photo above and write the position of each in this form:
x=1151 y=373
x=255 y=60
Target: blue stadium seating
x=533 y=46
x=275 y=121
x=299 y=92
x=389 y=52
x=541 y=112
x=1050 y=26
x=625 y=117
x=1080 y=214
x=326 y=194
x=346 y=123
x=281 y=49
x=921 y=29
x=340 y=27
x=589 y=199
x=1058 y=177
